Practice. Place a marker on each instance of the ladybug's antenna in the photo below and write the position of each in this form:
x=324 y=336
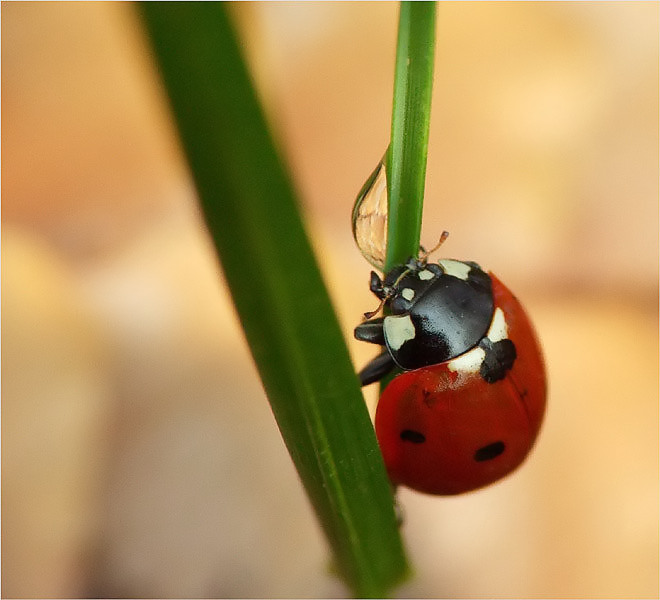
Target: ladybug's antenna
x=424 y=256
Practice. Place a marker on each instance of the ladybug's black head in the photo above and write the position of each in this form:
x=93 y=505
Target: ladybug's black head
x=405 y=283
x=411 y=286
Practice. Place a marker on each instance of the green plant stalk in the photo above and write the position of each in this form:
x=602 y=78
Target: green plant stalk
x=411 y=111
x=252 y=214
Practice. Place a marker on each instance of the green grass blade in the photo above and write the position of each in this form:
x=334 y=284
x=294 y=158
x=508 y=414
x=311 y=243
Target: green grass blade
x=252 y=214
x=411 y=110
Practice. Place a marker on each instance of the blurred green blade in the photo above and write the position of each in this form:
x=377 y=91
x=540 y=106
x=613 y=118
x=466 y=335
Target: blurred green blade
x=251 y=212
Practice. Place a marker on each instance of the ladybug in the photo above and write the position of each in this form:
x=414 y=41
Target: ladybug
x=468 y=405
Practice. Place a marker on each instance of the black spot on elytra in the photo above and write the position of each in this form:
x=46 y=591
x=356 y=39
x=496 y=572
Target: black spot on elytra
x=489 y=452
x=408 y=435
x=499 y=358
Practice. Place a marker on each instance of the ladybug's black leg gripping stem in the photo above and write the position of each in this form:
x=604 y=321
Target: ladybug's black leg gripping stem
x=371 y=331
x=377 y=368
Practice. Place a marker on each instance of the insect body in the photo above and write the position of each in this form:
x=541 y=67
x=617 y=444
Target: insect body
x=469 y=404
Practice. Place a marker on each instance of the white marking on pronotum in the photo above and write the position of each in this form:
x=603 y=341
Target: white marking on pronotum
x=398 y=330
x=408 y=293
x=469 y=362
x=498 y=328
x=455 y=268
x=425 y=274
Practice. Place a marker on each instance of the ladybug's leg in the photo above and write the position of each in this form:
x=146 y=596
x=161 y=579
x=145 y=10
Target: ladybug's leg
x=371 y=331
x=376 y=285
x=377 y=368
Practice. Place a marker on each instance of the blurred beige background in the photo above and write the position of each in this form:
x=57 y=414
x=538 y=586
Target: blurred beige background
x=140 y=457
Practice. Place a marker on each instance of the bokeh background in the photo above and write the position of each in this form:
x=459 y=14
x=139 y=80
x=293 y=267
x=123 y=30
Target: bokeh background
x=139 y=455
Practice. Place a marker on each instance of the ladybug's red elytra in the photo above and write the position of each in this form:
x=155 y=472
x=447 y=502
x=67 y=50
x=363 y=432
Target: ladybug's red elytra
x=468 y=405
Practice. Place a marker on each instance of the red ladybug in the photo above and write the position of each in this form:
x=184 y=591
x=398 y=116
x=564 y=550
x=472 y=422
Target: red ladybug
x=468 y=406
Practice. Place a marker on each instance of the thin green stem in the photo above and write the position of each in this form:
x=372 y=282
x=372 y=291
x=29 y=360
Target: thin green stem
x=411 y=110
